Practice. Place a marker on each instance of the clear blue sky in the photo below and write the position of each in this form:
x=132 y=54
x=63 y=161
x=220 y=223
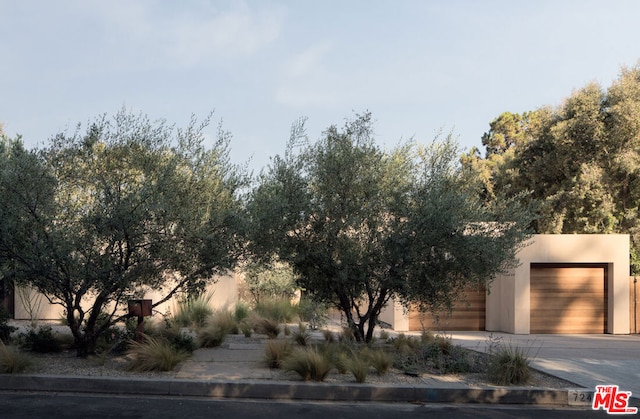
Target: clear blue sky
x=418 y=66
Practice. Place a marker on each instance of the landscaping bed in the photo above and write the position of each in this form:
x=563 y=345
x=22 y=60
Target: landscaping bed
x=405 y=370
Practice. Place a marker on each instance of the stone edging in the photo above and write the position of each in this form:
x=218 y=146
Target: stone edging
x=279 y=390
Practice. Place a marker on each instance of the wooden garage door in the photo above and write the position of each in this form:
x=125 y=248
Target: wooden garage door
x=468 y=314
x=568 y=298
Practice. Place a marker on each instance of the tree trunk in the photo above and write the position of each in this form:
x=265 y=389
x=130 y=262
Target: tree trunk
x=373 y=319
x=85 y=347
x=85 y=341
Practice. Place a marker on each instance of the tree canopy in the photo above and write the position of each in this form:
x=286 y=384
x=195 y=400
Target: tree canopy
x=360 y=224
x=96 y=218
x=579 y=161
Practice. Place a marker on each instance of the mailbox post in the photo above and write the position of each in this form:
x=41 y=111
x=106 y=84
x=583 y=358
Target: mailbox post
x=141 y=309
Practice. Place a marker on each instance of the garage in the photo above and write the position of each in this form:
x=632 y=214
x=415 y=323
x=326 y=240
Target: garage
x=568 y=298
x=468 y=314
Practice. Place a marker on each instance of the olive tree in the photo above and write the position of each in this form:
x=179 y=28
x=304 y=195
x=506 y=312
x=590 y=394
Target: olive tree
x=360 y=224
x=96 y=218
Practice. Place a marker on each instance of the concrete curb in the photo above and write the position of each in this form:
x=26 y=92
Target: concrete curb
x=279 y=390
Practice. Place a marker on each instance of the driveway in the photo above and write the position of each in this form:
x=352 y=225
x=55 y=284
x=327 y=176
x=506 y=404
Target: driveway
x=587 y=360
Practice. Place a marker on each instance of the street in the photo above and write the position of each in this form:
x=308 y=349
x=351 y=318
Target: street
x=17 y=405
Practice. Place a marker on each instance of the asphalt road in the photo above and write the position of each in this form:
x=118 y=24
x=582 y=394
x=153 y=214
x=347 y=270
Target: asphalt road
x=47 y=405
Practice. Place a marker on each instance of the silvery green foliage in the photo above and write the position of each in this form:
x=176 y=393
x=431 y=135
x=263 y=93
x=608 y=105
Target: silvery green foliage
x=360 y=224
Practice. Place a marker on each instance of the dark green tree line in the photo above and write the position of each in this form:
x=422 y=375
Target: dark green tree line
x=579 y=161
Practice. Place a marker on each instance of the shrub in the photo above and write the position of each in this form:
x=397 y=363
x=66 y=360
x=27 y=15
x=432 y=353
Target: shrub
x=183 y=342
x=226 y=321
x=427 y=336
x=267 y=327
x=437 y=353
x=309 y=363
x=508 y=366
x=241 y=311
x=149 y=326
x=380 y=360
x=301 y=336
x=444 y=344
x=328 y=336
x=5 y=328
x=313 y=312
x=246 y=328
x=193 y=311
x=154 y=354
x=116 y=340
x=217 y=327
x=383 y=335
x=358 y=366
x=280 y=310
x=347 y=335
x=12 y=362
x=405 y=346
x=211 y=336
x=456 y=361
x=338 y=354
x=270 y=280
x=341 y=361
x=41 y=340
x=276 y=351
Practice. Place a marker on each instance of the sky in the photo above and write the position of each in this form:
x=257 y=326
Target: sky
x=420 y=67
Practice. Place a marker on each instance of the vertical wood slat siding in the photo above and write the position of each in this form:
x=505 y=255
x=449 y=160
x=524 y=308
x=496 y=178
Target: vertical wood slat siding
x=468 y=314
x=568 y=299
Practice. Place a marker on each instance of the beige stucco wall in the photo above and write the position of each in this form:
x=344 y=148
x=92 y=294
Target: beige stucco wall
x=508 y=298
x=396 y=315
x=508 y=303
x=500 y=303
x=225 y=294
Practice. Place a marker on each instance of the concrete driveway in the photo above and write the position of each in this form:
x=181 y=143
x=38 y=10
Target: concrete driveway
x=587 y=360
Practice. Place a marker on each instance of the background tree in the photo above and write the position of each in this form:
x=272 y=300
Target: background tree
x=274 y=280
x=95 y=219
x=581 y=165
x=359 y=224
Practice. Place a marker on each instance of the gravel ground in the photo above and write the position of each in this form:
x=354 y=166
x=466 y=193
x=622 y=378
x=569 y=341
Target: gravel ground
x=67 y=363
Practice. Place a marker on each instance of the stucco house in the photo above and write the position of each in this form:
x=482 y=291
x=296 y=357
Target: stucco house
x=575 y=283
x=563 y=284
x=29 y=304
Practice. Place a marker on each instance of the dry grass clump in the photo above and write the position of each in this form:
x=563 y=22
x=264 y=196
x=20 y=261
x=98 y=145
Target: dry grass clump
x=266 y=326
x=12 y=362
x=328 y=335
x=193 y=311
x=509 y=366
x=309 y=363
x=279 y=310
x=301 y=336
x=380 y=360
x=216 y=329
x=276 y=351
x=154 y=354
x=358 y=366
